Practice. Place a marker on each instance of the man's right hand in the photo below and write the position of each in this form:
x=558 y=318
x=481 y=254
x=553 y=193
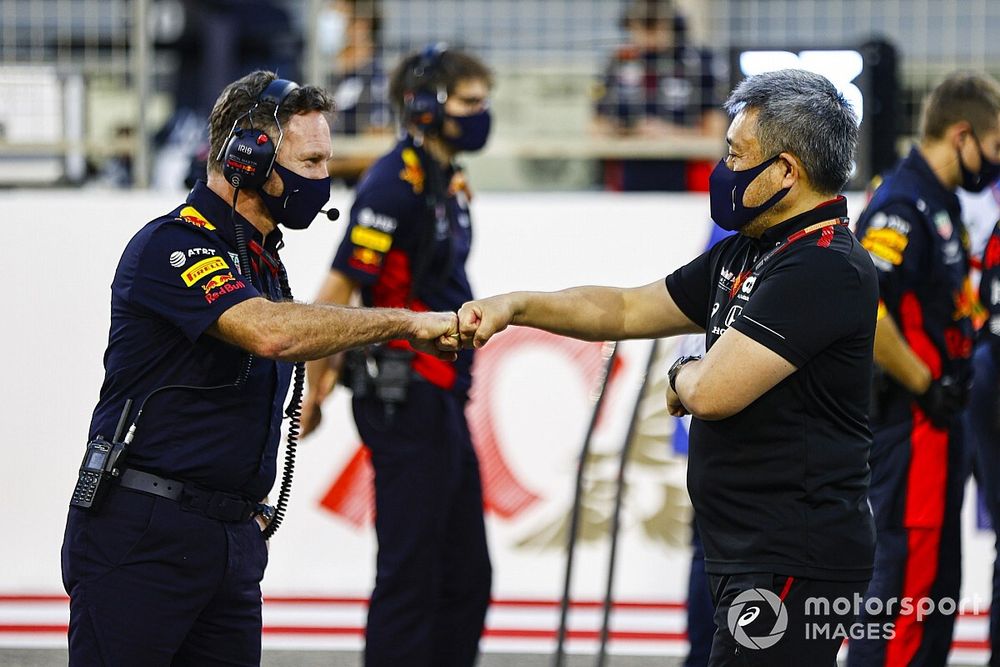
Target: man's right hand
x=436 y=334
x=479 y=320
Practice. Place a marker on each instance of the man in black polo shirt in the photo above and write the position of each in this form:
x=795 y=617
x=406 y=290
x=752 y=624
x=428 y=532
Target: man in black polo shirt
x=778 y=469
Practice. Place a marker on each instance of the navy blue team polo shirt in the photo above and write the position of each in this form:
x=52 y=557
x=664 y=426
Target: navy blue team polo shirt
x=178 y=274
x=392 y=231
x=913 y=230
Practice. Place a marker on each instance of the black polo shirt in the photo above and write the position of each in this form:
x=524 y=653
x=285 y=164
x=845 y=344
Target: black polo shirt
x=782 y=486
x=177 y=275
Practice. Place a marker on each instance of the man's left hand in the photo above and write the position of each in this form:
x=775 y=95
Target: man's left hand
x=674 y=405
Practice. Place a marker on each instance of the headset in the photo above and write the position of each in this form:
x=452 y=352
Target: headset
x=423 y=106
x=249 y=154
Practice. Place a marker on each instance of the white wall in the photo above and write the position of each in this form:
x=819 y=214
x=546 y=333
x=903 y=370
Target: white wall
x=62 y=248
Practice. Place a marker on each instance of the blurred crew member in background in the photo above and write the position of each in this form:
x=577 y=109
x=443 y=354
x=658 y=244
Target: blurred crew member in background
x=779 y=443
x=913 y=230
x=406 y=247
x=659 y=87
x=349 y=34
x=984 y=415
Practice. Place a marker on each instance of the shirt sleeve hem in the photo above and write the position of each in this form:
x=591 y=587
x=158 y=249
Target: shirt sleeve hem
x=684 y=303
x=770 y=339
x=194 y=329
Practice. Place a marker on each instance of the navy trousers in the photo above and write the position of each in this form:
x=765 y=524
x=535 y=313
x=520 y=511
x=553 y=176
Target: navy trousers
x=151 y=584
x=984 y=430
x=433 y=574
x=918 y=475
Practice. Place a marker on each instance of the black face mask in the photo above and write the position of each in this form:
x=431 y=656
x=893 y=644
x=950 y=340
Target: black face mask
x=989 y=171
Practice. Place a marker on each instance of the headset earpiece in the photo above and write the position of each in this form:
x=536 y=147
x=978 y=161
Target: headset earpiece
x=249 y=155
x=248 y=158
x=423 y=103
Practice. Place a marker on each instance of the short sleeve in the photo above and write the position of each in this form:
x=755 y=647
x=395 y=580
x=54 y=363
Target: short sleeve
x=373 y=230
x=691 y=288
x=896 y=239
x=803 y=305
x=185 y=276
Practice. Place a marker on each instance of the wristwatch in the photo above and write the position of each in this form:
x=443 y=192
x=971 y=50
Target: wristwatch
x=676 y=366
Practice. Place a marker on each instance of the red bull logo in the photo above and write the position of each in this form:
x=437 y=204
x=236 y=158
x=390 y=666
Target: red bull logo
x=191 y=215
x=218 y=281
x=221 y=285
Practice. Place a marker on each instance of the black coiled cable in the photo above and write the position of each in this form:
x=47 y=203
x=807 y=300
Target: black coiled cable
x=244 y=269
x=294 y=414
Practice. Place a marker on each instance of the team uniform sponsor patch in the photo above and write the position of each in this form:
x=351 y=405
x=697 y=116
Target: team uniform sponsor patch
x=201 y=269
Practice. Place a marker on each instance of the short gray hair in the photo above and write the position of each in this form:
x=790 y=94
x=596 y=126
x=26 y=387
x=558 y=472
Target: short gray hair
x=802 y=113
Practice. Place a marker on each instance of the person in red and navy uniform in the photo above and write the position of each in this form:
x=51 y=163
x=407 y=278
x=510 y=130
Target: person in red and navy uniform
x=167 y=569
x=984 y=413
x=913 y=230
x=406 y=247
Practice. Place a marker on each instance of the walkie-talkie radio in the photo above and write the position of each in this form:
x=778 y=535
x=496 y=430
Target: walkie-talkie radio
x=100 y=466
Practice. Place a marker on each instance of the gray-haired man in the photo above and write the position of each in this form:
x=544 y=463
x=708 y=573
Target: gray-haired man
x=778 y=468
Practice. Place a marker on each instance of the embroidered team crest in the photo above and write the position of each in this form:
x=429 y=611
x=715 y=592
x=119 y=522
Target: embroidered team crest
x=412 y=172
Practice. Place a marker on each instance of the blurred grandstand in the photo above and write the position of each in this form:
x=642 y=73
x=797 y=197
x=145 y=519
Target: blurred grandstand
x=89 y=89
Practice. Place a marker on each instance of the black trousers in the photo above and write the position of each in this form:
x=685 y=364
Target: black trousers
x=151 y=584
x=771 y=619
x=432 y=584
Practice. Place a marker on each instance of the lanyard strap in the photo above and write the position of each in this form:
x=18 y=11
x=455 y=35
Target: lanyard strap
x=802 y=233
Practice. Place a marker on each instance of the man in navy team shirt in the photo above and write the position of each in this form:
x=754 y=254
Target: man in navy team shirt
x=406 y=246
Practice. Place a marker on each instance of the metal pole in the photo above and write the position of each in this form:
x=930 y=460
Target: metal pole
x=610 y=351
x=141 y=74
x=619 y=493
x=313 y=65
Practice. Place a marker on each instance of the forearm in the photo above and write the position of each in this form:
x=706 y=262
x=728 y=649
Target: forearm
x=898 y=359
x=586 y=313
x=309 y=332
x=289 y=331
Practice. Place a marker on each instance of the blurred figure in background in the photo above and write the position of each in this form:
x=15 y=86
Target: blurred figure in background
x=348 y=35
x=913 y=230
x=219 y=41
x=982 y=419
x=406 y=246
x=661 y=88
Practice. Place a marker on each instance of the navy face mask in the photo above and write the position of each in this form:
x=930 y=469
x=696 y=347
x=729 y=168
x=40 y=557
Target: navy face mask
x=989 y=171
x=300 y=201
x=726 y=189
x=475 y=130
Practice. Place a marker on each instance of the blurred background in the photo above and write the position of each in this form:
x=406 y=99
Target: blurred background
x=115 y=92
x=607 y=124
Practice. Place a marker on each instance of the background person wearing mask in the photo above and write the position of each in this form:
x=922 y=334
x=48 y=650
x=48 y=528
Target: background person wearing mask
x=406 y=246
x=658 y=87
x=349 y=34
x=913 y=230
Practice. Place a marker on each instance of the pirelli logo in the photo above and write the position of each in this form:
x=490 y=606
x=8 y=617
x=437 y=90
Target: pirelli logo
x=372 y=239
x=197 y=271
